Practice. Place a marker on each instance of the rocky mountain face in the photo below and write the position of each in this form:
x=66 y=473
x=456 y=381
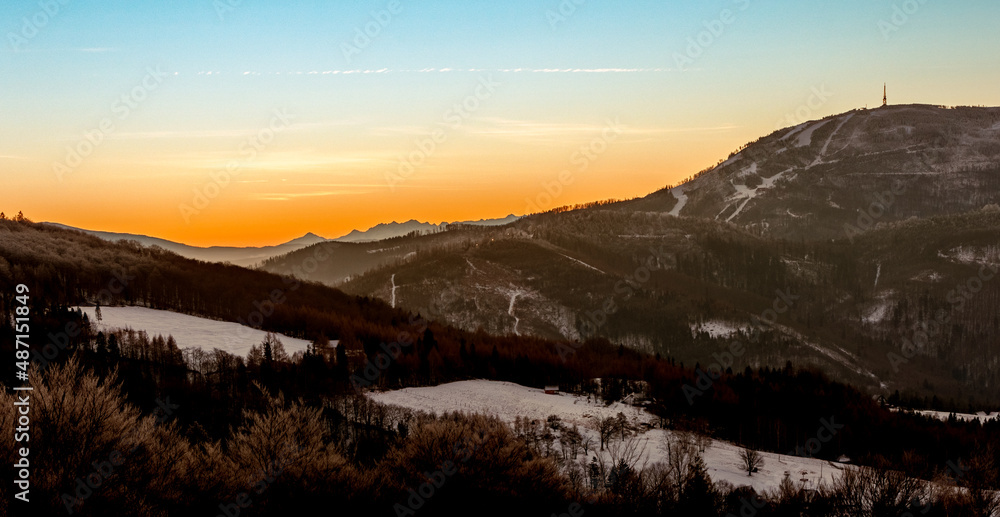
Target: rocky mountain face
x=866 y=244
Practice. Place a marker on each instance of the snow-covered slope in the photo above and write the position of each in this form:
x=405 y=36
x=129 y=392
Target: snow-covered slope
x=981 y=416
x=189 y=331
x=508 y=401
x=808 y=182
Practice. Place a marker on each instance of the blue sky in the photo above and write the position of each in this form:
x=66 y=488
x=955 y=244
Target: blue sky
x=227 y=70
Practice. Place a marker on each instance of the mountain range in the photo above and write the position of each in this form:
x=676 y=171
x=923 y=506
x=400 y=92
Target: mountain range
x=251 y=256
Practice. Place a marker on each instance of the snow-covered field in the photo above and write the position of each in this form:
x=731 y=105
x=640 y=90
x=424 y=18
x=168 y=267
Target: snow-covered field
x=508 y=401
x=188 y=331
x=982 y=416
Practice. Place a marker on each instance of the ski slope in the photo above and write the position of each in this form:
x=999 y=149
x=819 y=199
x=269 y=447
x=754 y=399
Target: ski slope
x=508 y=401
x=188 y=331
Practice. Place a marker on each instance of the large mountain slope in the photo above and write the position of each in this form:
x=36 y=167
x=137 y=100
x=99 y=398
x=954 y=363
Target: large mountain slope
x=756 y=250
x=811 y=180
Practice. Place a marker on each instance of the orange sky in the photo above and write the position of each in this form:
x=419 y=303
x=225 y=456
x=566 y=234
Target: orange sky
x=123 y=129
x=278 y=197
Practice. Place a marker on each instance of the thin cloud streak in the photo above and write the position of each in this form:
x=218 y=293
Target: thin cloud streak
x=292 y=196
x=532 y=129
x=445 y=70
x=91 y=50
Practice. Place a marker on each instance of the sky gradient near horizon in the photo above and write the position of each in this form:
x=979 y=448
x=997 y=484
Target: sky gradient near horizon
x=248 y=122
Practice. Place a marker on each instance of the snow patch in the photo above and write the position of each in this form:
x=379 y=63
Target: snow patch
x=510 y=310
x=877 y=313
x=826 y=146
x=794 y=130
x=730 y=161
x=981 y=416
x=189 y=331
x=928 y=275
x=805 y=138
x=508 y=401
x=745 y=194
x=973 y=255
x=583 y=263
x=681 y=198
x=717 y=328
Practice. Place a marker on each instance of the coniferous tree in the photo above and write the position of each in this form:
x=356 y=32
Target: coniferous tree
x=268 y=352
x=113 y=349
x=341 y=355
x=699 y=496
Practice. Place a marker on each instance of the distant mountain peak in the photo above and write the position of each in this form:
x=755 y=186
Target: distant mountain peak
x=383 y=231
x=307 y=239
x=241 y=256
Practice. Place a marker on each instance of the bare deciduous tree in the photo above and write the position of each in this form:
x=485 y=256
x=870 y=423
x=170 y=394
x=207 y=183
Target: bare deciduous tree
x=606 y=427
x=752 y=460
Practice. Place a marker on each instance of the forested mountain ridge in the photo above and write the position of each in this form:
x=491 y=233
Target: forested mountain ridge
x=901 y=211
x=245 y=256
